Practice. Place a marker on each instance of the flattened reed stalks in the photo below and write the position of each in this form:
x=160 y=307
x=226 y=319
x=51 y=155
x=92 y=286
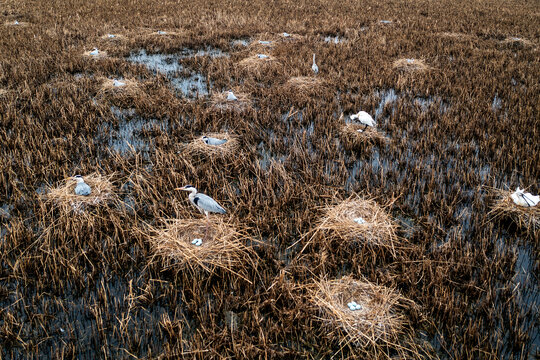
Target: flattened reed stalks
x=198 y=147
x=16 y=24
x=527 y=218
x=108 y=87
x=100 y=55
x=304 y=83
x=219 y=101
x=355 y=137
x=359 y=219
x=253 y=62
x=406 y=65
x=380 y=321
x=223 y=248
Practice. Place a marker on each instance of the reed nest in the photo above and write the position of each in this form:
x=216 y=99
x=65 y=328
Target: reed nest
x=369 y=135
x=117 y=37
x=338 y=223
x=14 y=24
x=224 y=246
x=519 y=40
x=107 y=86
x=406 y=65
x=304 y=83
x=199 y=147
x=103 y=192
x=101 y=54
x=527 y=218
x=219 y=101
x=378 y=324
x=253 y=62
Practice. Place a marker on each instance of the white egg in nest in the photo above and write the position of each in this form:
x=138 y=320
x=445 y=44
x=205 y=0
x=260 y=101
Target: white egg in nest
x=359 y=220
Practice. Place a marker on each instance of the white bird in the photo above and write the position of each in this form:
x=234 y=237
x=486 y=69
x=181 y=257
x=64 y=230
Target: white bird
x=15 y=22
x=160 y=32
x=94 y=52
x=82 y=188
x=204 y=203
x=524 y=199
x=118 y=83
x=314 y=67
x=263 y=42
x=231 y=96
x=213 y=141
x=365 y=119
x=262 y=56
x=111 y=36
x=286 y=34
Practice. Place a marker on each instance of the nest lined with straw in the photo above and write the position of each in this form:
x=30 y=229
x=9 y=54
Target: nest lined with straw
x=379 y=321
x=15 y=24
x=253 y=62
x=222 y=247
x=219 y=101
x=65 y=199
x=108 y=87
x=199 y=147
x=406 y=65
x=370 y=135
x=101 y=54
x=359 y=220
x=116 y=37
x=527 y=218
x=304 y=83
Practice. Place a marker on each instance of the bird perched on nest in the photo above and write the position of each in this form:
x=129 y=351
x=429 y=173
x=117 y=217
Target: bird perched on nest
x=365 y=119
x=118 y=83
x=94 y=52
x=524 y=199
x=204 y=203
x=231 y=96
x=82 y=188
x=213 y=141
x=314 y=67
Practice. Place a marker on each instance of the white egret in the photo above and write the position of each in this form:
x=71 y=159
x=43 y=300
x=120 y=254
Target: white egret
x=365 y=119
x=314 y=67
x=522 y=198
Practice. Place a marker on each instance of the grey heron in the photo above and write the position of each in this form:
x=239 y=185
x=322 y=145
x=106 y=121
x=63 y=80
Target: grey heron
x=204 y=203
x=365 y=119
x=82 y=188
x=231 y=96
x=314 y=67
x=118 y=83
x=213 y=141
x=522 y=198
x=94 y=52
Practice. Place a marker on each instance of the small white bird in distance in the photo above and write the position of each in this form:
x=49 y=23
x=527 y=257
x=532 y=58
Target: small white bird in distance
x=213 y=141
x=82 y=188
x=111 y=36
x=15 y=22
x=286 y=34
x=118 y=83
x=262 y=56
x=231 y=96
x=314 y=67
x=365 y=119
x=522 y=198
x=94 y=52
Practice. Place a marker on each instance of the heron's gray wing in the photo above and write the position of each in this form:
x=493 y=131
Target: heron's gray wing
x=206 y=203
x=83 y=189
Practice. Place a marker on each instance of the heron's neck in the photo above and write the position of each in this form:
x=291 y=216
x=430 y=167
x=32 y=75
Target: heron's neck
x=314 y=58
x=192 y=193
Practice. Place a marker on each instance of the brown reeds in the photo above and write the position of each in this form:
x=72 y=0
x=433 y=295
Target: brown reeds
x=378 y=323
x=222 y=246
x=254 y=62
x=409 y=65
x=527 y=218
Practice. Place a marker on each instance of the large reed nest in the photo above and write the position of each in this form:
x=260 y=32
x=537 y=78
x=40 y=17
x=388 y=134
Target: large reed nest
x=64 y=197
x=253 y=62
x=198 y=147
x=527 y=218
x=304 y=83
x=352 y=135
x=223 y=247
x=16 y=23
x=359 y=220
x=107 y=86
x=408 y=65
x=219 y=101
x=378 y=323
x=117 y=37
x=101 y=54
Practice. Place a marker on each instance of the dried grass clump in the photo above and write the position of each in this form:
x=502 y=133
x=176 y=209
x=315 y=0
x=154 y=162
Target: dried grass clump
x=406 y=65
x=378 y=230
x=253 y=62
x=369 y=135
x=378 y=324
x=16 y=24
x=64 y=196
x=101 y=54
x=455 y=35
x=304 y=82
x=223 y=248
x=527 y=218
x=199 y=147
x=107 y=86
x=116 y=37
x=3 y=92
x=219 y=101
x=518 y=40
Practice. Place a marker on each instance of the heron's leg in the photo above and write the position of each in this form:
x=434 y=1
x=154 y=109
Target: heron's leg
x=365 y=127
x=207 y=225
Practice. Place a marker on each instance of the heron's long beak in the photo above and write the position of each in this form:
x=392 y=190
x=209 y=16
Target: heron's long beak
x=180 y=188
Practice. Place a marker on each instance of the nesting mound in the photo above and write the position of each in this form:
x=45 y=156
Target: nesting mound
x=223 y=247
x=359 y=219
x=527 y=218
x=115 y=38
x=378 y=323
x=517 y=40
x=406 y=65
x=65 y=198
x=369 y=135
x=253 y=62
x=107 y=86
x=101 y=54
x=219 y=101
x=304 y=83
x=198 y=146
x=16 y=24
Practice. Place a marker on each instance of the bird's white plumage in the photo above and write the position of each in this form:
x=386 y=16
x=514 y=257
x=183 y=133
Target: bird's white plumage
x=522 y=198
x=213 y=141
x=118 y=83
x=231 y=96
x=262 y=56
x=82 y=188
x=94 y=52
x=314 y=67
x=364 y=118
